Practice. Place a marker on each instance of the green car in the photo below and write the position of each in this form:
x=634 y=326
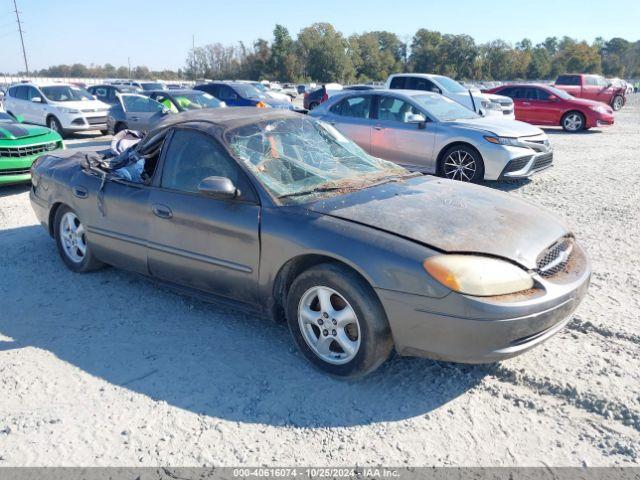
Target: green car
x=20 y=145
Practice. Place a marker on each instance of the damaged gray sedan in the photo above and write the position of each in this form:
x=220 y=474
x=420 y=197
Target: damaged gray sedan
x=281 y=213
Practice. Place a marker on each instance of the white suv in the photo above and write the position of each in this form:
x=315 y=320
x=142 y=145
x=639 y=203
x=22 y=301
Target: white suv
x=61 y=107
x=482 y=103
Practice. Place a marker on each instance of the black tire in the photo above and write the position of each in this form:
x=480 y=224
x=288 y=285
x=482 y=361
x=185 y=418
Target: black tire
x=120 y=126
x=104 y=132
x=568 y=125
x=617 y=103
x=54 y=124
x=374 y=333
x=473 y=170
x=313 y=105
x=88 y=263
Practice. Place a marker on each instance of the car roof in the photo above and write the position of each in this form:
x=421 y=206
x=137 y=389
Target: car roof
x=175 y=91
x=231 y=117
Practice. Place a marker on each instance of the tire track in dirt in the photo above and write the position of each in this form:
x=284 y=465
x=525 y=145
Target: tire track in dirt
x=589 y=402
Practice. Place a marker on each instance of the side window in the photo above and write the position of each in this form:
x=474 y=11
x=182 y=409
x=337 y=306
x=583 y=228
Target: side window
x=542 y=94
x=518 y=93
x=193 y=156
x=531 y=93
x=22 y=93
x=394 y=109
x=356 y=107
x=136 y=104
x=225 y=92
x=418 y=83
x=100 y=92
x=568 y=80
x=398 y=82
x=602 y=82
x=507 y=92
x=591 y=81
x=33 y=92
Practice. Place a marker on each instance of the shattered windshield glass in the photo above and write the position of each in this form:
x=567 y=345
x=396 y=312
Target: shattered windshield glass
x=294 y=157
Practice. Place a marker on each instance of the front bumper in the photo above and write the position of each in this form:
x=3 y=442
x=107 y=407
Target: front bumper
x=599 y=120
x=467 y=329
x=502 y=162
x=17 y=170
x=523 y=167
x=75 y=122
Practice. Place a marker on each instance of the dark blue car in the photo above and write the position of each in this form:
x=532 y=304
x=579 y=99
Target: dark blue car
x=239 y=94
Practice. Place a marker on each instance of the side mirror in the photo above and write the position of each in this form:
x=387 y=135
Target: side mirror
x=418 y=118
x=36 y=99
x=165 y=111
x=552 y=98
x=482 y=112
x=218 y=187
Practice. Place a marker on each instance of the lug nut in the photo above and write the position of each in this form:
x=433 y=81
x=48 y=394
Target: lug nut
x=320 y=321
x=334 y=321
x=325 y=314
x=334 y=333
x=325 y=332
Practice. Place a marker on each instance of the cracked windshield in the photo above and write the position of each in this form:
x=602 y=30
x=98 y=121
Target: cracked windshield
x=297 y=157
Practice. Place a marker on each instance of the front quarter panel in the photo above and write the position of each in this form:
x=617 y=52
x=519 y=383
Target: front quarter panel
x=383 y=259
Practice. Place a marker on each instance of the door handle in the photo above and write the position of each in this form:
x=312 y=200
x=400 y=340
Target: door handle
x=526 y=103
x=135 y=119
x=161 y=211
x=379 y=127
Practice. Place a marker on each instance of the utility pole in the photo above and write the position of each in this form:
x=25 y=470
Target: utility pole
x=129 y=65
x=193 y=50
x=24 y=52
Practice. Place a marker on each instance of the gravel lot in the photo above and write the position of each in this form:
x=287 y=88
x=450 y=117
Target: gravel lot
x=108 y=369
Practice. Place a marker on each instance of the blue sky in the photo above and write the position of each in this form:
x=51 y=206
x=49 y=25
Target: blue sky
x=158 y=33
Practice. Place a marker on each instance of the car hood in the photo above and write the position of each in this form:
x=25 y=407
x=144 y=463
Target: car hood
x=585 y=102
x=451 y=216
x=15 y=130
x=501 y=127
x=83 y=105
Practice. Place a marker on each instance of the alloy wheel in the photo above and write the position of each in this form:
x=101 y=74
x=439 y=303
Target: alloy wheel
x=460 y=165
x=573 y=122
x=72 y=236
x=617 y=103
x=329 y=325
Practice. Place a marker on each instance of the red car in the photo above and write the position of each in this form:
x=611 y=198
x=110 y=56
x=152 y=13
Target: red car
x=547 y=105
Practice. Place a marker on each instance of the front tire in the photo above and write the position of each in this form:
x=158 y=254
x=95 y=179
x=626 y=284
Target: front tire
x=71 y=240
x=337 y=321
x=463 y=163
x=573 y=122
x=54 y=124
x=617 y=103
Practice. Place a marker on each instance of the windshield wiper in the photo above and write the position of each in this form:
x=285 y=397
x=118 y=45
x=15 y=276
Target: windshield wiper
x=310 y=191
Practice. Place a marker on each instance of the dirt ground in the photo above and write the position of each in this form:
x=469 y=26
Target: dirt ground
x=108 y=369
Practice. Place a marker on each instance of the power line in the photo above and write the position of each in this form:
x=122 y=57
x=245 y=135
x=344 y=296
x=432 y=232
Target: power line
x=24 y=52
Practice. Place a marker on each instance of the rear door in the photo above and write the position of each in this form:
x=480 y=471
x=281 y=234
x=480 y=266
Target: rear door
x=141 y=112
x=352 y=116
x=543 y=110
x=522 y=104
x=195 y=240
x=394 y=138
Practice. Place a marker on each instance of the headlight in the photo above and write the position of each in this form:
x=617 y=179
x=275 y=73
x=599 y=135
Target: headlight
x=68 y=110
x=510 y=141
x=599 y=108
x=484 y=104
x=494 y=106
x=476 y=275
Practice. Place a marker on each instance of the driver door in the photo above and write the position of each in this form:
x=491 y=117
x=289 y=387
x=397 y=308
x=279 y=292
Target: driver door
x=196 y=240
x=394 y=138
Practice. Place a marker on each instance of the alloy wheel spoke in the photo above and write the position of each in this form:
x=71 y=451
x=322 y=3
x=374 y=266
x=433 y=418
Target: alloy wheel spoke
x=309 y=316
x=348 y=346
x=323 y=345
x=324 y=297
x=344 y=317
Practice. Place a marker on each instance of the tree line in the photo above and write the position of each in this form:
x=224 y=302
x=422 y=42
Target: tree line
x=321 y=53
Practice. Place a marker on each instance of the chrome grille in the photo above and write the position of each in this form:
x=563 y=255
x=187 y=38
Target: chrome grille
x=19 y=152
x=96 y=120
x=555 y=258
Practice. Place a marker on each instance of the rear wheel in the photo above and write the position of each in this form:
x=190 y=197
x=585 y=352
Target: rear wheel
x=54 y=124
x=119 y=127
x=337 y=321
x=461 y=162
x=618 y=102
x=313 y=105
x=573 y=122
x=71 y=239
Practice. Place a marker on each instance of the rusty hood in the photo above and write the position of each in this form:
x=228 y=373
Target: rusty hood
x=451 y=216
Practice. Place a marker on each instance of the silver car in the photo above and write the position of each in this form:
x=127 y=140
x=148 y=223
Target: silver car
x=427 y=132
